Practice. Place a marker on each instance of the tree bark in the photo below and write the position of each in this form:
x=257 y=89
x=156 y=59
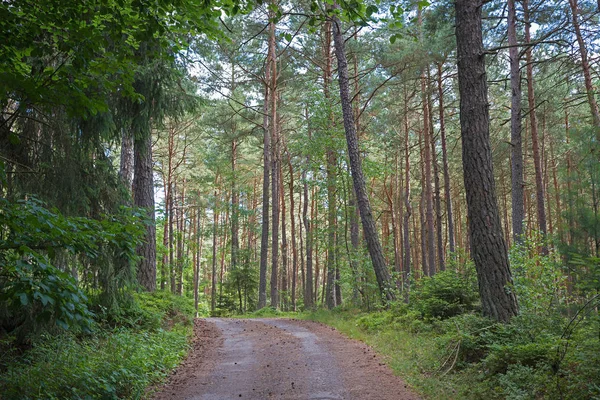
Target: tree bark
x=539 y=184
x=308 y=285
x=373 y=244
x=430 y=253
x=436 y=187
x=284 y=243
x=213 y=294
x=585 y=66
x=407 y=205
x=235 y=205
x=274 y=198
x=264 y=240
x=126 y=162
x=199 y=242
x=293 y=229
x=516 y=154
x=487 y=242
x=447 y=192
x=143 y=197
x=331 y=184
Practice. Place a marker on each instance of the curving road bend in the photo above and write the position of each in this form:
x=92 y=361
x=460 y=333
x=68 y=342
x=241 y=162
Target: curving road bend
x=279 y=359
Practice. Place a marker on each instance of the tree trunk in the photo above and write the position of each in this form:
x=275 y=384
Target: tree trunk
x=516 y=154
x=126 y=164
x=407 y=205
x=539 y=184
x=180 y=239
x=264 y=240
x=487 y=242
x=235 y=205
x=429 y=233
x=331 y=183
x=436 y=186
x=308 y=285
x=447 y=192
x=293 y=229
x=284 y=244
x=199 y=243
x=213 y=294
x=370 y=232
x=275 y=201
x=143 y=197
x=172 y=239
x=585 y=66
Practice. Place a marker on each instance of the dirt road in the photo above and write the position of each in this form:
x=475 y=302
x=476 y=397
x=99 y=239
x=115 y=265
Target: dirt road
x=279 y=359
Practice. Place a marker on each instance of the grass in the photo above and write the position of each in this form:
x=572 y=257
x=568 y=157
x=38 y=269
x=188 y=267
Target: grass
x=414 y=356
x=126 y=354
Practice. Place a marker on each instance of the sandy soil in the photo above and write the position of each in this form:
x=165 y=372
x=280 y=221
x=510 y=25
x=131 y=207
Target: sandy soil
x=279 y=359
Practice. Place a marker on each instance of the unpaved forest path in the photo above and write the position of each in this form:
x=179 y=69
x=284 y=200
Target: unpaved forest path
x=279 y=359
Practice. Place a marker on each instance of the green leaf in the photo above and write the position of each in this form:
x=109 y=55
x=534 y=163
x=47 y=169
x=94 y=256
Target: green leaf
x=24 y=299
x=371 y=9
x=13 y=139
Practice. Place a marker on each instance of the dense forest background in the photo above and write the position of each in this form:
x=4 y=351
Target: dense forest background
x=205 y=149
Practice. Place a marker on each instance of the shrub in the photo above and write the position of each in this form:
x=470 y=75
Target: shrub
x=130 y=349
x=375 y=321
x=117 y=364
x=444 y=295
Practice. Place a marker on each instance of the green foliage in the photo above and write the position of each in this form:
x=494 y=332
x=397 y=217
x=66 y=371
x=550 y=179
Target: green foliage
x=242 y=284
x=446 y=294
x=136 y=349
x=119 y=364
x=266 y=312
x=151 y=311
x=539 y=281
x=548 y=351
x=34 y=292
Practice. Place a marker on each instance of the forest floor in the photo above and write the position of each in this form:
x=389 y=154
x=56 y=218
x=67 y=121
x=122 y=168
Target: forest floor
x=279 y=359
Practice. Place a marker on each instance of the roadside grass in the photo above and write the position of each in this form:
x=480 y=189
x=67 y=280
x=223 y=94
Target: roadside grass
x=413 y=355
x=127 y=352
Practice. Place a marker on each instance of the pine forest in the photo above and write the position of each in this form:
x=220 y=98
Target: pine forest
x=424 y=176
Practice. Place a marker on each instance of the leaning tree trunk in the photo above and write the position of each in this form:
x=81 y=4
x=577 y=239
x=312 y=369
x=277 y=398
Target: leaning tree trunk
x=370 y=231
x=143 y=197
x=487 y=242
x=585 y=66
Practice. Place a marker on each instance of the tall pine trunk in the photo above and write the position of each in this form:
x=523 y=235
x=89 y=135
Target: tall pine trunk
x=447 y=191
x=539 y=184
x=370 y=231
x=487 y=242
x=143 y=197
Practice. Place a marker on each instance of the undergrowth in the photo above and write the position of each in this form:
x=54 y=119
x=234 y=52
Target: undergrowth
x=441 y=345
x=126 y=352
